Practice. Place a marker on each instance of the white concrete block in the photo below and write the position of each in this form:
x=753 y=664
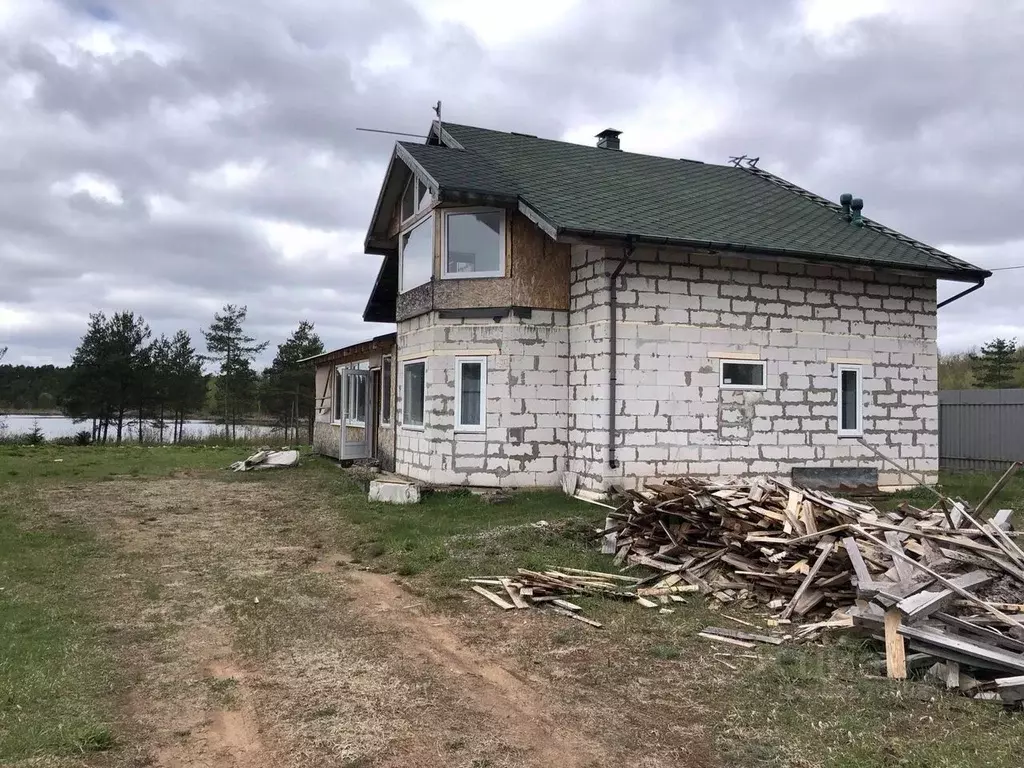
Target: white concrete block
x=394 y=492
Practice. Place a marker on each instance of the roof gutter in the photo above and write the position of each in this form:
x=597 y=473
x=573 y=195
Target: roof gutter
x=960 y=295
x=613 y=277
x=960 y=275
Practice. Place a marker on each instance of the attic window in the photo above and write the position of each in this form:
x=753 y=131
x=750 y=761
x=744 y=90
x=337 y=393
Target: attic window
x=474 y=243
x=415 y=199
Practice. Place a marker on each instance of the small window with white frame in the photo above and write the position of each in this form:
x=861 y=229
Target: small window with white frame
x=741 y=374
x=471 y=394
x=473 y=243
x=414 y=378
x=850 y=393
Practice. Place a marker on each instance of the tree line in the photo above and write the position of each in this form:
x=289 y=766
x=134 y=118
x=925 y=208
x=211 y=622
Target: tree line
x=998 y=365
x=122 y=379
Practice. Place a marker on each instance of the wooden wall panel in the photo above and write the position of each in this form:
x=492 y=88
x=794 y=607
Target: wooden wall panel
x=540 y=266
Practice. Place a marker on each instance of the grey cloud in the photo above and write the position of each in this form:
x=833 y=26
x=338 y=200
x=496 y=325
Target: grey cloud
x=927 y=121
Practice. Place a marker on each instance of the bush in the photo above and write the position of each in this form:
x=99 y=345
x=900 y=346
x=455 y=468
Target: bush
x=83 y=437
x=36 y=437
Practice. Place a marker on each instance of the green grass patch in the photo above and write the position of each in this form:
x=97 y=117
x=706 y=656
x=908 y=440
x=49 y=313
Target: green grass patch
x=55 y=671
x=55 y=463
x=458 y=534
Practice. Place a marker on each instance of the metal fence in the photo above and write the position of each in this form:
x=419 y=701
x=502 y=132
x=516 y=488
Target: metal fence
x=980 y=428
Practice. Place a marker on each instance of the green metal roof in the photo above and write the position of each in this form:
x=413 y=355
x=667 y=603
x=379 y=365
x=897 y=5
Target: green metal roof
x=583 y=190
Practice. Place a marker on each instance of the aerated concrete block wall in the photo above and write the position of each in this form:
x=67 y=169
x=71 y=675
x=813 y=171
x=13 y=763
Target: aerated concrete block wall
x=525 y=441
x=680 y=313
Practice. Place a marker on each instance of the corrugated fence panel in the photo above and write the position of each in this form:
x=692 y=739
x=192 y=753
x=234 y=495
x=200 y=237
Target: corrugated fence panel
x=980 y=428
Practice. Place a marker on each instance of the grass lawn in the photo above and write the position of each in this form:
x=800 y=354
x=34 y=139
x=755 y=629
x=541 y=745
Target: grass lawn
x=56 y=669
x=813 y=705
x=799 y=706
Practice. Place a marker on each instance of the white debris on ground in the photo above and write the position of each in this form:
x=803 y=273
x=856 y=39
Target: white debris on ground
x=267 y=459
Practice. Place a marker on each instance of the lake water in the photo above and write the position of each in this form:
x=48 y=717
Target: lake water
x=61 y=426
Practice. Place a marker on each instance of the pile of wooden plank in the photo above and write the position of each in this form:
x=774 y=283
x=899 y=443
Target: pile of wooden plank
x=935 y=579
x=555 y=588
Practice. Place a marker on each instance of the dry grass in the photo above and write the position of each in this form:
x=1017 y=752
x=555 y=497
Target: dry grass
x=337 y=665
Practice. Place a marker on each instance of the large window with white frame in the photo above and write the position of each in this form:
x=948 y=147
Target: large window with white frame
x=471 y=394
x=850 y=393
x=741 y=374
x=473 y=243
x=416 y=255
x=414 y=379
x=416 y=240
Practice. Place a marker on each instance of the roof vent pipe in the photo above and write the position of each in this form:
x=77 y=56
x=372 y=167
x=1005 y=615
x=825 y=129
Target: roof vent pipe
x=857 y=205
x=844 y=200
x=608 y=139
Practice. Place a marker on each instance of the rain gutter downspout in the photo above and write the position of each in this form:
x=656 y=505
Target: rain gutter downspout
x=960 y=295
x=613 y=463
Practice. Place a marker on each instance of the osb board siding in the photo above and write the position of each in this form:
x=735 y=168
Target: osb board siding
x=540 y=266
x=465 y=294
x=537 y=276
x=325 y=439
x=324 y=386
x=386 y=447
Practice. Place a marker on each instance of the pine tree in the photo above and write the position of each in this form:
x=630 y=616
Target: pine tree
x=88 y=389
x=996 y=366
x=287 y=384
x=187 y=384
x=228 y=345
x=108 y=372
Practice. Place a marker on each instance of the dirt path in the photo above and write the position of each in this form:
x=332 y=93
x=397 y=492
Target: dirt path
x=250 y=647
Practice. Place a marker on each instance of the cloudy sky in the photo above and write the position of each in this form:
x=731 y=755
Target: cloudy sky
x=169 y=157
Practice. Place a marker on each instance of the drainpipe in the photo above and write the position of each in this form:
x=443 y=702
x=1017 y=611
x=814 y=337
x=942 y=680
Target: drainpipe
x=960 y=295
x=613 y=463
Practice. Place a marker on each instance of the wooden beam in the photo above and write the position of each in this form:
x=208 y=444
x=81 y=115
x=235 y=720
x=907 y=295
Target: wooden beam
x=493 y=598
x=808 y=579
x=895 y=653
x=923 y=604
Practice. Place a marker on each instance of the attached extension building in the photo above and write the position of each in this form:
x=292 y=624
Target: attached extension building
x=565 y=308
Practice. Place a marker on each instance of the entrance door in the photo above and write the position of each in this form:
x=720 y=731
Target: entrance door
x=356 y=414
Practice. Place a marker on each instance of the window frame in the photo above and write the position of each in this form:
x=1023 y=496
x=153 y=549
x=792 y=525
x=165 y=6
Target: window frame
x=502 y=265
x=459 y=362
x=742 y=361
x=337 y=411
x=405 y=395
x=386 y=387
x=413 y=223
x=857 y=431
x=362 y=365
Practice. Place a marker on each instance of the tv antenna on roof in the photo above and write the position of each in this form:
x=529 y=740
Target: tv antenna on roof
x=738 y=160
x=437 y=111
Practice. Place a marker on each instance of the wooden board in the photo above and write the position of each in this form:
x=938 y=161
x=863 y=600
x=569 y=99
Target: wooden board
x=895 y=653
x=493 y=598
x=982 y=655
x=923 y=604
x=737 y=634
x=729 y=640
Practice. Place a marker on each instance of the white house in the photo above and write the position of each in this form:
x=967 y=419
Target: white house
x=565 y=308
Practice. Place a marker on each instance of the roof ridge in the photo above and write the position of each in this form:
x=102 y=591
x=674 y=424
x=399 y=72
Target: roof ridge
x=577 y=145
x=869 y=223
